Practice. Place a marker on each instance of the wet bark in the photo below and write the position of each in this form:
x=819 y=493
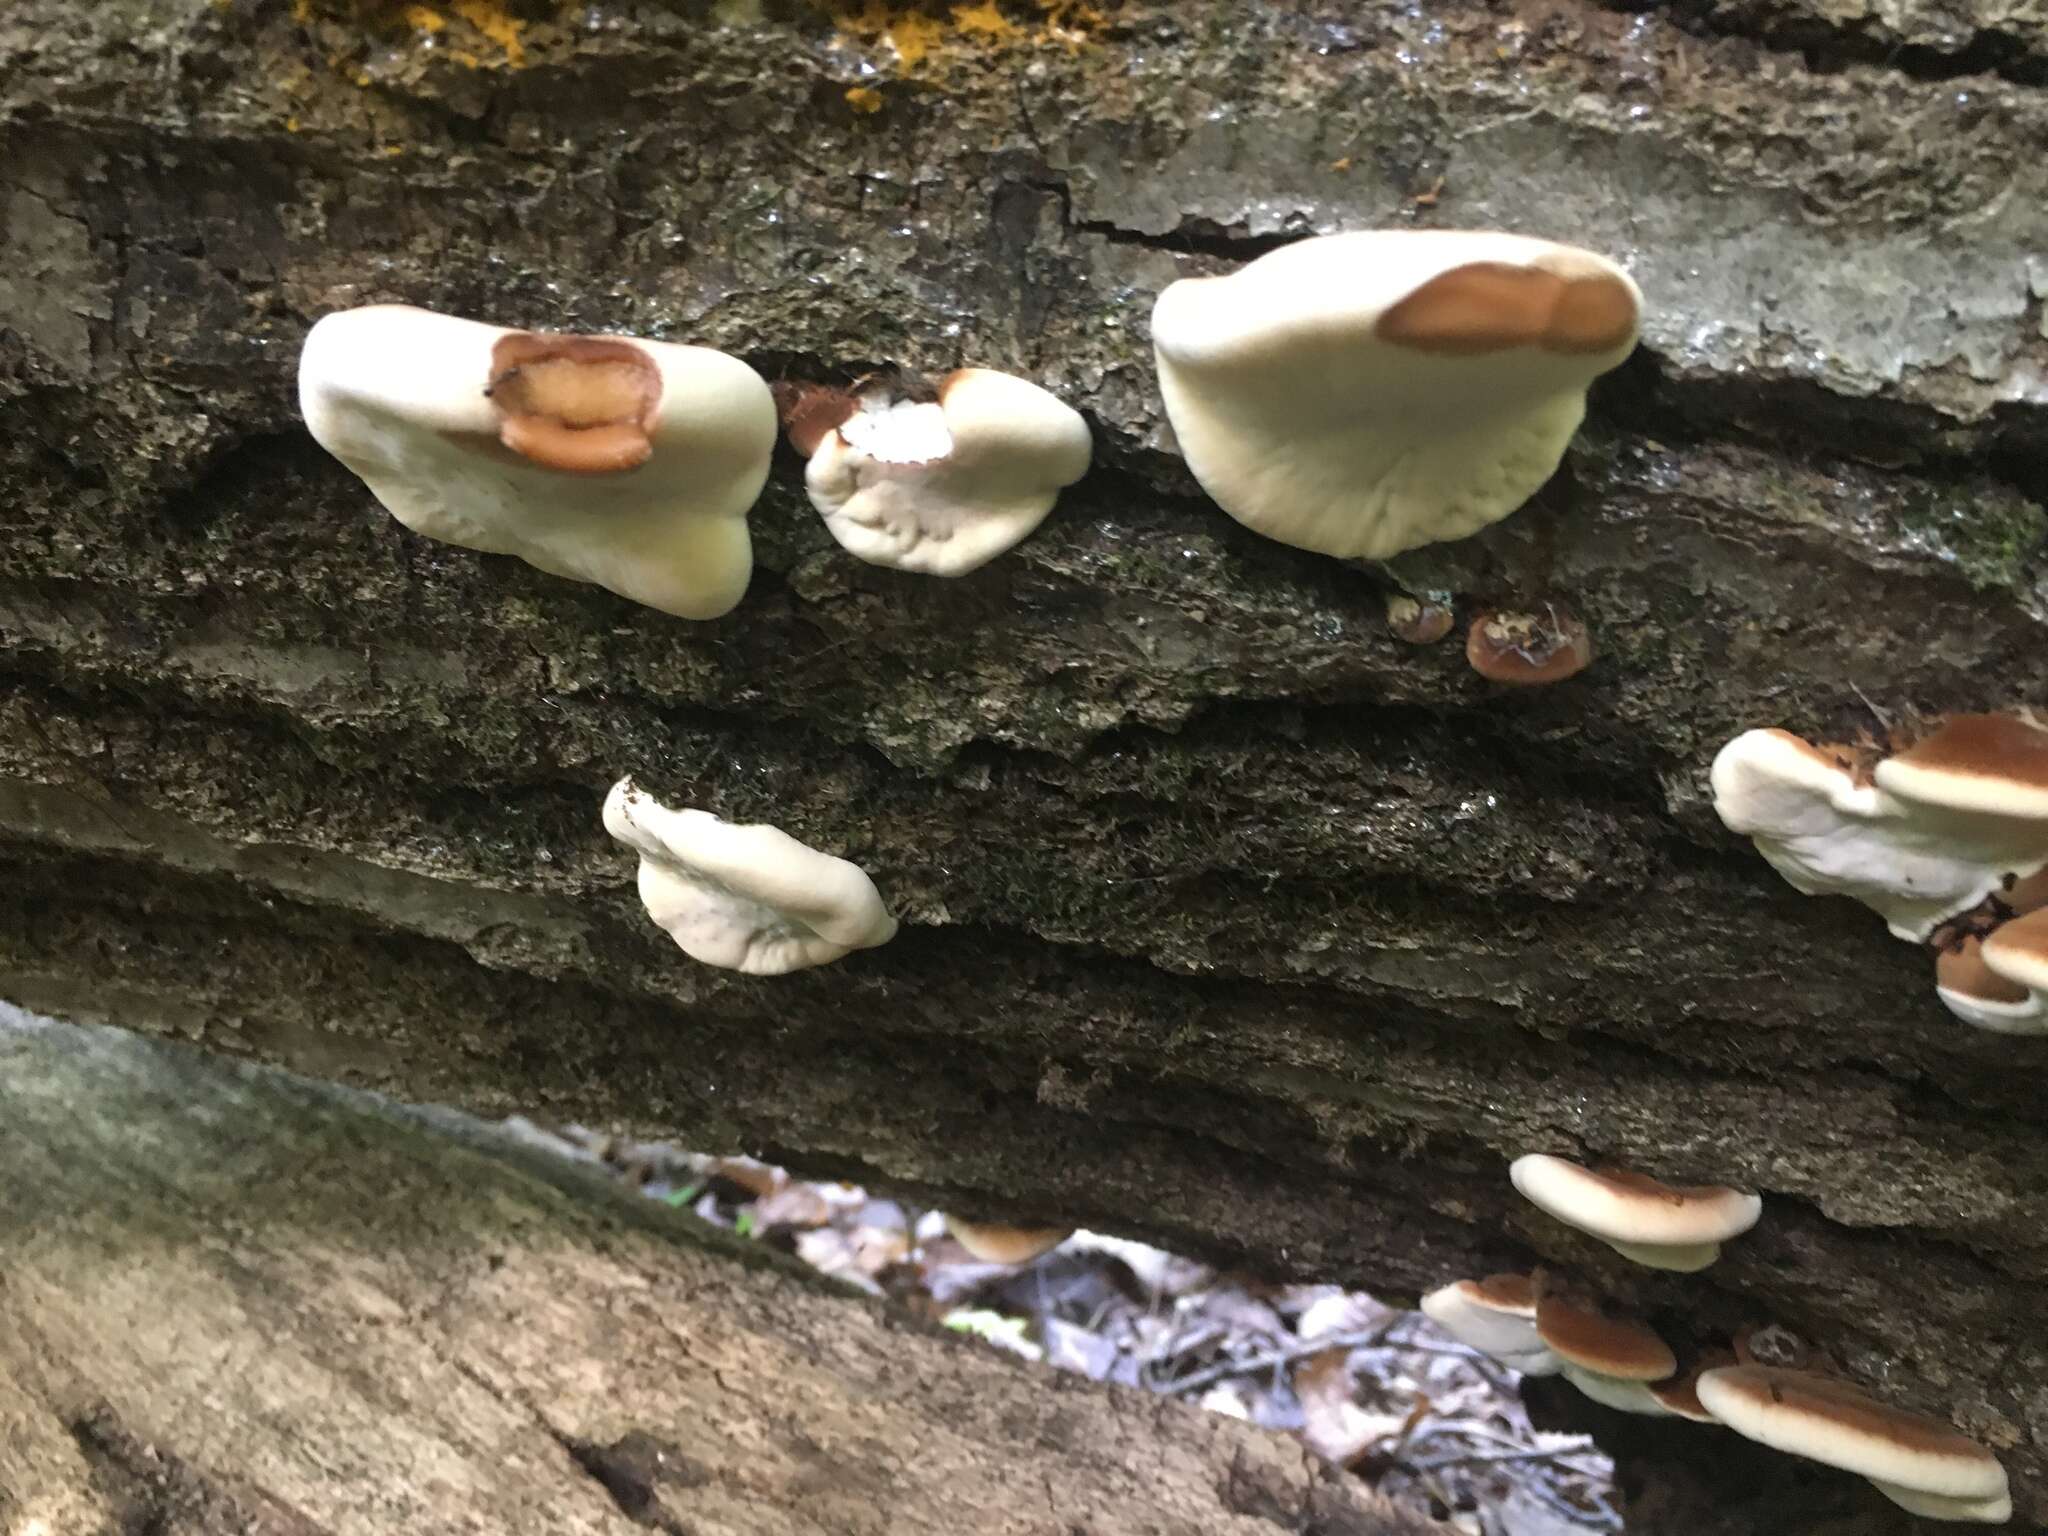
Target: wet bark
x=235 y=1301
x=1230 y=919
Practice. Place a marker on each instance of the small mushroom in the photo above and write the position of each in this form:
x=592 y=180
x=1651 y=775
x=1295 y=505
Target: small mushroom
x=1609 y=1359
x=1932 y=833
x=1417 y=621
x=1918 y=1463
x=941 y=486
x=1361 y=394
x=2013 y=959
x=629 y=464
x=1679 y=1395
x=1497 y=1317
x=1528 y=649
x=993 y=1243
x=744 y=898
x=1660 y=1226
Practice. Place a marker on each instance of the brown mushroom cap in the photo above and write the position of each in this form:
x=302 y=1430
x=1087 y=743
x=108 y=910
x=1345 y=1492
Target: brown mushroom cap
x=1988 y=764
x=1840 y=1425
x=1963 y=970
x=1620 y=1207
x=1680 y=1395
x=809 y=411
x=579 y=404
x=1528 y=649
x=1606 y=1346
x=993 y=1243
x=2016 y=954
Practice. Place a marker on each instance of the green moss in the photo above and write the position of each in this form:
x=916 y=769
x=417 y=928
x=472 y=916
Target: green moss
x=1991 y=538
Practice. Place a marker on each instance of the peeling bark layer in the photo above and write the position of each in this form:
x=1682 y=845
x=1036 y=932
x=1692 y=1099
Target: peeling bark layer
x=234 y=1301
x=1230 y=919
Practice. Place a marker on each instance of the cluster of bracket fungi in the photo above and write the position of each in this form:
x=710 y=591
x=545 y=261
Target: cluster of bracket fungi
x=1357 y=395
x=1761 y=1385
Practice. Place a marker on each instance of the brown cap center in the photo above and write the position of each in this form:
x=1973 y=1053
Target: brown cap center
x=580 y=404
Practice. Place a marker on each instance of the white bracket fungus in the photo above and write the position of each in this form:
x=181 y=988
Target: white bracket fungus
x=1946 y=840
x=940 y=486
x=1925 y=837
x=1660 y=1226
x=1918 y=1463
x=1611 y=1360
x=1366 y=393
x=744 y=898
x=1497 y=1317
x=626 y=463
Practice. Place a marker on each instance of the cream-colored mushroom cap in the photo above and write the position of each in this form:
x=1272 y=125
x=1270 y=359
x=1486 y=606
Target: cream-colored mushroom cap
x=1914 y=861
x=993 y=1243
x=1839 y=1425
x=1362 y=394
x=744 y=897
x=943 y=487
x=1496 y=1316
x=630 y=464
x=1995 y=1510
x=1991 y=765
x=1660 y=1225
x=2006 y=1000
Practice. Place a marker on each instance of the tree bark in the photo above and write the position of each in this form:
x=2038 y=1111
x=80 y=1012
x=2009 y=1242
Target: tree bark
x=236 y=1301
x=1230 y=919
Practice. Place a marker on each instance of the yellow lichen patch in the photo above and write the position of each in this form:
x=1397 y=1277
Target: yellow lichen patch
x=927 y=36
x=864 y=99
x=986 y=21
x=489 y=18
x=424 y=18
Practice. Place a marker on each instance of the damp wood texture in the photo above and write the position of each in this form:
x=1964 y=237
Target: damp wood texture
x=1229 y=919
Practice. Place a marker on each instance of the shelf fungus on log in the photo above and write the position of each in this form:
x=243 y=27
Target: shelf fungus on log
x=745 y=897
x=939 y=486
x=1362 y=394
x=1919 y=1463
x=1946 y=840
x=1657 y=1225
x=625 y=463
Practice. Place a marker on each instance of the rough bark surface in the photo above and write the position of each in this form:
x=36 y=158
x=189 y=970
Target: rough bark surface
x=1230 y=919
x=233 y=1301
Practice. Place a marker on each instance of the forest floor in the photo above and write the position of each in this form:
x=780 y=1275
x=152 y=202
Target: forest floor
x=1375 y=1389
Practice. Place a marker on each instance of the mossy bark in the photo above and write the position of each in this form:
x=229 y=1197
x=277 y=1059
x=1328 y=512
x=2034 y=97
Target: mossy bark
x=1230 y=919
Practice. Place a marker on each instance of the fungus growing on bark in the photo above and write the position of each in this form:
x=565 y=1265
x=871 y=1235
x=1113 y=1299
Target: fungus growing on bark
x=630 y=464
x=1928 y=835
x=1416 y=621
x=939 y=486
x=1660 y=1226
x=1529 y=649
x=744 y=898
x=993 y=1243
x=1679 y=1395
x=2008 y=984
x=1361 y=394
x=1496 y=1316
x=1918 y=1463
x=1609 y=1359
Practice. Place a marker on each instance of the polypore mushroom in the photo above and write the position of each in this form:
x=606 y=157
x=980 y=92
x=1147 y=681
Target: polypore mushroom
x=2012 y=966
x=1366 y=393
x=626 y=463
x=1929 y=834
x=745 y=898
x=1918 y=1463
x=1611 y=1360
x=1528 y=649
x=1418 y=621
x=993 y=1243
x=939 y=486
x=1497 y=1317
x=1661 y=1226
x=1679 y=1395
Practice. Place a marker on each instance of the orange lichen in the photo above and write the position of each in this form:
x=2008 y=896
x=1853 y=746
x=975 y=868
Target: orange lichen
x=864 y=99
x=922 y=37
x=489 y=18
x=497 y=36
